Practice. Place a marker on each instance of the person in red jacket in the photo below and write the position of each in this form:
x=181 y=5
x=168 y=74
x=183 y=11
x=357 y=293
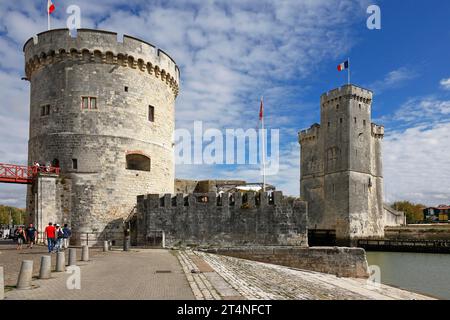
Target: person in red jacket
x=50 y=233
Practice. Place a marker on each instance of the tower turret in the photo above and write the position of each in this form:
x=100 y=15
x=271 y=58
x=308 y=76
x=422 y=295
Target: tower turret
x=102 y=109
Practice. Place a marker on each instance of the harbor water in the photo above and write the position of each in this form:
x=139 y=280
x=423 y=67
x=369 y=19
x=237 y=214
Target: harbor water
x=424 y=273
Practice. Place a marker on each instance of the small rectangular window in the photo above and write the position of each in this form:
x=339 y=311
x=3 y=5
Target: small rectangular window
x=354 y=119
x=45 y=110
x=340 y=120
x=74 y=164
x=93 y=103
x=88 y=103
x=126 y=89
x=85 y=103
x=364 y=122
x=151 y=113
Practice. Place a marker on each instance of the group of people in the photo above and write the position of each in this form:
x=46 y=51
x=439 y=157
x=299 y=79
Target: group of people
x=28 y=235
x=57 y=237
x=46 y=167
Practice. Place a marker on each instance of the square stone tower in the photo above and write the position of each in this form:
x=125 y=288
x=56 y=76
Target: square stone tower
x=341 y=167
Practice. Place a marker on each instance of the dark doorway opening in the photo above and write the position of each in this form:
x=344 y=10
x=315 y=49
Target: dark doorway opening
x=154 y=239
x=321 y=238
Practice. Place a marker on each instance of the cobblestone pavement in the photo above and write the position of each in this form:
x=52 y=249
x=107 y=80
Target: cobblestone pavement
x=137 y=274
x=255 y=280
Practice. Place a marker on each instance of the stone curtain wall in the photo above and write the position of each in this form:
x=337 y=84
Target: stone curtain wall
x=228 y=219
x=342 y=262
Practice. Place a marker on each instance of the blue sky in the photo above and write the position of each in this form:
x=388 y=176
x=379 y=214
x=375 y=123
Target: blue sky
x=232 y=52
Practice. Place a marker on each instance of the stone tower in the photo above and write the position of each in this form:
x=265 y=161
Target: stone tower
x=341 y=167
x=102 y=109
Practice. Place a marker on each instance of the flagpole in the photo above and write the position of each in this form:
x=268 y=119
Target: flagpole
x=48 y=16
x=263 y=147
x=348 y=71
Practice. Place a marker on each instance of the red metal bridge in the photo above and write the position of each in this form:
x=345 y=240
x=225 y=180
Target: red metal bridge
x=11 y=173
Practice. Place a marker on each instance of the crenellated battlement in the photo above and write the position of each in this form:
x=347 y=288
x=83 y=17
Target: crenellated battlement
x=227 y=219
x=346 y=92
x=233 y=199
x=309 y=135
x=99 y=46
x=377 y=131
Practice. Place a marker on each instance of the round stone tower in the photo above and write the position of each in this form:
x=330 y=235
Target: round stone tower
x=101 y=109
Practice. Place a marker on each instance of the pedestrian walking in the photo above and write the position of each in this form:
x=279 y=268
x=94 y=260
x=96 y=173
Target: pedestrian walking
x=59 y=237
x=50 y=233
x=31 y=233
x=67 y=234
x=21 y=238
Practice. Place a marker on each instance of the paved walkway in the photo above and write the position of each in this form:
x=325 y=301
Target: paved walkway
x=117 y=275
x=144 y=274
x=11 y=259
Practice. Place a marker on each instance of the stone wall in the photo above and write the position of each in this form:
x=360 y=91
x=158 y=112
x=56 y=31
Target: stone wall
x=228 y=219
x=49 y=200
x=342 y=262
x=393 y=218
x=126 y=76
x=419 y=232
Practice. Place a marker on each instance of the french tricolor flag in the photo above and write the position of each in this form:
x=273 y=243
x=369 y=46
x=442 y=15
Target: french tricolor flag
x=343 y=66
x=50 y=7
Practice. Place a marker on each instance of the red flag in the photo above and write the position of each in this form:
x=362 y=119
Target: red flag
x=261 y=110
x=50 y=7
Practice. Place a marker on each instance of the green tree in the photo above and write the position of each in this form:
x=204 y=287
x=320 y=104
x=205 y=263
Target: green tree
x=413 y=211
x=18 y=215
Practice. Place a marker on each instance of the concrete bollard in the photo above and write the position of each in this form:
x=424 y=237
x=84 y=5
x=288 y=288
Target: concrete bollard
x=46 y=267
x=72 y=257
x=60 y=262
x=2 y=284
x=105 y=246
x=126 y=243
x=25 y=275
x=85 y=253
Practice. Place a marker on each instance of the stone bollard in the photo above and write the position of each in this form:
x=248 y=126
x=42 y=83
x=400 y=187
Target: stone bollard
x=126 y=244
x=60 y=262
x=46 y=267
x=2 y=284
x=25 y=275
x=72 y=257
x=105 y=246
x=85 y=253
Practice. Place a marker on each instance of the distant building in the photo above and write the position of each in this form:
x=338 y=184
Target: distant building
x=440 y=213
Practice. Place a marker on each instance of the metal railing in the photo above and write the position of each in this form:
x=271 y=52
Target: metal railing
x=12 y=173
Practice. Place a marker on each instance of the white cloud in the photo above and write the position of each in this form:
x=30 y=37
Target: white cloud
x=420 y=112
x=445 y=84
x=393 y=79
x=416 y=166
